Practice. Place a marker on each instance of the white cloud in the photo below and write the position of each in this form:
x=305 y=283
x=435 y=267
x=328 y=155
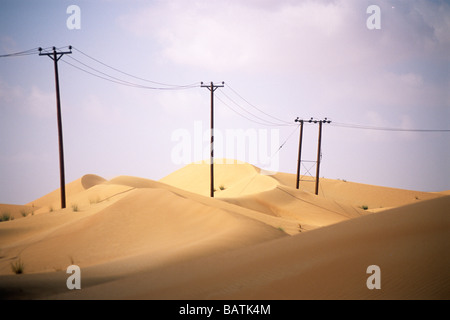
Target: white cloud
x=30 y=101
x=311 y=37
x=9 y=93
x=7 y=44
x=179 y=102
x=39 y=103
x=231 y=35
x=98 y=111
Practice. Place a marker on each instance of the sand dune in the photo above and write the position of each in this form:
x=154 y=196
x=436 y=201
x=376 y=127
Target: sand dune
x=130 y=216
x=235 y=178
x=357 y=194
x=305 y=208
x=409 y=244
x=52 y=201
x=259 y=238
x=13 y=211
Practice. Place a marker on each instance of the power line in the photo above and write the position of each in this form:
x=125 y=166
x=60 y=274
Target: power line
x=289 y=137
x=21 y=53
x=135 y=77
x=110 y=78
x=282 y=144
x=238 y=113
x=364 y=127
x=98 y=76
x=255 y=107
x=266 y=122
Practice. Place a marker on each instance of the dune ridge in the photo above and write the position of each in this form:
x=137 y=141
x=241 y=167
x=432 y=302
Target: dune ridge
x=259 y=238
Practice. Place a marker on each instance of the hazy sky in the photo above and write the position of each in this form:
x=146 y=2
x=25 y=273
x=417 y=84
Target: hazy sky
x=287 y=58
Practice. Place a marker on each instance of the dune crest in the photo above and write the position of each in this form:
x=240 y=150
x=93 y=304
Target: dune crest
x=231 y=178
x=90 y=180
x=258 y=238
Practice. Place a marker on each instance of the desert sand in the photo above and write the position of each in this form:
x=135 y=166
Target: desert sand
x=259 y=238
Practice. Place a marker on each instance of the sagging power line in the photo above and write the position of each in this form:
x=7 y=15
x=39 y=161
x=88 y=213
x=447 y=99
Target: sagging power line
x=275 y=121
x=21 y=53
x=174 y=86
x=165 y=86
x=365 y=127
x=94 y=71
x=263 y=118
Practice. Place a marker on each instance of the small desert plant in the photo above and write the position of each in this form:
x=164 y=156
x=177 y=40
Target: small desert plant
x=75 y=207
x=18 y=266
x=51 y=208
x=23 y=212
x=281 y=229
x=93 y=201
x=222 y=187
x=5 y=216
x=364 y=207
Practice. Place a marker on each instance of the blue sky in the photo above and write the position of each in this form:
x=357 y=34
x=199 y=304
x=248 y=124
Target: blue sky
x=288 y=58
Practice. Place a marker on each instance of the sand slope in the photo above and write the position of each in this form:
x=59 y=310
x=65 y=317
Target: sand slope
x=259 y=238
x=13 y=211
x=409 y=244
x=136 y=221
x=235 y=178
x=52 y=201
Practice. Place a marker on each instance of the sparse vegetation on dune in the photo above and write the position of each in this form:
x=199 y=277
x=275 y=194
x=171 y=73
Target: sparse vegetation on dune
x=18 y=266
x=6 y=216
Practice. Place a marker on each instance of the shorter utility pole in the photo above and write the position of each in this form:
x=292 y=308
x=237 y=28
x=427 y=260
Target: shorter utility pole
x=299 y=151
x=319 y=151
x=55 y=56
x=212 y=87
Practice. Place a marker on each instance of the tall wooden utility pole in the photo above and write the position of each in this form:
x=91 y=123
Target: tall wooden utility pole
x=299 y=151
x=55 y=56
x=319 y=152
x=212 y=87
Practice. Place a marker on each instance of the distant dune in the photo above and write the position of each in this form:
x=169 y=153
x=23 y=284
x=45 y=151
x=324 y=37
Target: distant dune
x=259 y=238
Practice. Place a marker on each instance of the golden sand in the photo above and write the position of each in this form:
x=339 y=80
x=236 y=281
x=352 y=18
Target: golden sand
x=259 y=238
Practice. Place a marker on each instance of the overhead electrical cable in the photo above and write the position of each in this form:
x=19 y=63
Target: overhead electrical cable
x=255 y=107
x=364 y=127
x=135 y=77
x=245 y=112
x=105 y=76
x=21 y=53
x=101 y=77
x=270 y=123
x=239 y=113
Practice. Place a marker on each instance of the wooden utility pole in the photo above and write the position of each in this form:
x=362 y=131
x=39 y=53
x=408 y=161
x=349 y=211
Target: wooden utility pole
x=319 y=152
x=299 y=151
x=55 y=56
x=212 y=87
